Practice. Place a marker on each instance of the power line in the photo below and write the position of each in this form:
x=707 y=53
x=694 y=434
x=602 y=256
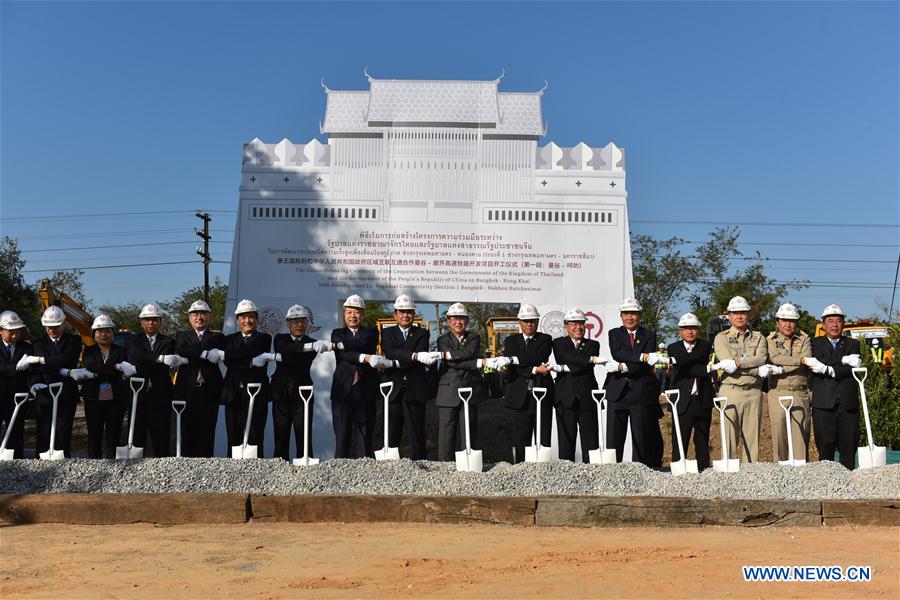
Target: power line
x=120 y=246
x=113 y=234
x=108 y=215
x=765 y=223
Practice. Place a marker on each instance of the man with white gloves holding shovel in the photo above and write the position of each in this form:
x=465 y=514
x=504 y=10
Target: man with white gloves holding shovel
x=788 y=347
x=740 y=353
x=835 y=394
x=13 y=377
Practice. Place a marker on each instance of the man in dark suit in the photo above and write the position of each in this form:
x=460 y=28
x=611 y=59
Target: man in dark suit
x=294 y=355
x=576 y=411
x=354 y=387
x=199 y=382
x=526 y=357
x=631 y=388
x=690 y=359
x=246 y=356
x=835 y=393
x=55 y=358
x=153 y=354
x=13 y=377
x=407 y=346
x=459 y=351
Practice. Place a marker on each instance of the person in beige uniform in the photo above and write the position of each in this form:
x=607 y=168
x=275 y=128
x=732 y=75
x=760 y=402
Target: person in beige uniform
x=788 y=377
x=740 y=353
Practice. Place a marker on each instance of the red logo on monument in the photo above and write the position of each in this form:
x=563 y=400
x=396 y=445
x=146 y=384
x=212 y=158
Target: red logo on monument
x=593 y=326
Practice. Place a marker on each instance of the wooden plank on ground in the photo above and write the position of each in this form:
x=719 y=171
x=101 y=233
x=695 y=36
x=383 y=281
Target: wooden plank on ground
x=861 y=512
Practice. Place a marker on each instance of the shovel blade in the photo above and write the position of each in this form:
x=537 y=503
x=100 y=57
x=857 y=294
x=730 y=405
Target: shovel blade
x=869 y=459
x=799 y=462
x=727 y=465
x=533 y=454
x=305 y=462
x=7 y=454
x=129 y=452
x=387 y=454
x=469 y=462
x=243 y=451
x=683 y=467
x=602 y=457
x=53 y=455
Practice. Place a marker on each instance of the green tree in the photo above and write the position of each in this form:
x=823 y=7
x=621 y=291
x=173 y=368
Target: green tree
x=883 y=398
x=15 y=295
x=125 y=316
x=479 y=313
x=176 y=310
x=663 y=277
x=69 y=283
x=375 y=311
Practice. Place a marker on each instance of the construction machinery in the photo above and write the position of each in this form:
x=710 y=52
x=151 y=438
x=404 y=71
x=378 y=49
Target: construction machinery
x=381 y=324
x=76 y=315
x=498 y=328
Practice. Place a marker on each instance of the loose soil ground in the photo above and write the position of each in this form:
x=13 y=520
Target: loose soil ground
x=265 y=560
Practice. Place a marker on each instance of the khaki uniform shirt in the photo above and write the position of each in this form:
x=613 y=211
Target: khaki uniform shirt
x=747 y=349
x=787 y=353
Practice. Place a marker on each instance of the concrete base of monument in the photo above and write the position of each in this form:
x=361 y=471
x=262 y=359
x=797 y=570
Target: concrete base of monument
x=560 y=511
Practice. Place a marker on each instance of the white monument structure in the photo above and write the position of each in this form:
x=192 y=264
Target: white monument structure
x=438 y=189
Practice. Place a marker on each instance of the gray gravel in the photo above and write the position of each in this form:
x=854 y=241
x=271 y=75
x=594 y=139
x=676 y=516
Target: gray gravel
x=814 y=481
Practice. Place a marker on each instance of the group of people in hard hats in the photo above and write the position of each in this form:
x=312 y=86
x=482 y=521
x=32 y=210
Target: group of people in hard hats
x=187 y=366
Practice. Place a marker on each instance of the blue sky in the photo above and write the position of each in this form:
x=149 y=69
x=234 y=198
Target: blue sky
x=774 y=113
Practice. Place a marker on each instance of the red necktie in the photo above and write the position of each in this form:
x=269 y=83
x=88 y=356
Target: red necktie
x=631 y=335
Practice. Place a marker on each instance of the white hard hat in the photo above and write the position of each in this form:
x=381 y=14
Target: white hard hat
x=199 y=306
x=457 y=310
x=355 y=301
x=574 y=314
x=788 y=311
x=404 y=302
x=833 y=310
x=10 y=320
x=875 y=342
x=297 y=312
x=689 y=320
x=53 y=316
x=103 y=322
x=528 y=312
x=738 y=304
x=150 y=311
x=661 y=345
x=245 y=306
x=631 y=305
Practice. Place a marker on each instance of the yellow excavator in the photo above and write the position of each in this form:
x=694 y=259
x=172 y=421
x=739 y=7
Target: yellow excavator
x=76 y=315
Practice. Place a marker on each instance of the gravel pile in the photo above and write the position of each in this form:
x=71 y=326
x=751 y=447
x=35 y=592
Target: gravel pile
x=814 y=481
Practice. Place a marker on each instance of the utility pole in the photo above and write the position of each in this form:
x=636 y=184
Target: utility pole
x=204 y=251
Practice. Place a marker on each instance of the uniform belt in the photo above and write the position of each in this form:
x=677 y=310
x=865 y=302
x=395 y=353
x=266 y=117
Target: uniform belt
x=792 y=388
x=742 y=386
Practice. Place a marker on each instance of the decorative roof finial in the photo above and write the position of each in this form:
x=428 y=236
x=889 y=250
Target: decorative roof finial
x=541 y=91
x=502 y=75
x=366 y=73
x=324 y=87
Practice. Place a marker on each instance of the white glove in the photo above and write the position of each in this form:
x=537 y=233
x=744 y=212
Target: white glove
x=765 y=370
x=383 y=362
x=437 y=356
x=556 y=368
x=127 y=369
x=178 y=361
x=321 y=346
x=339 y=346
x=170 y=360
x=816 y=366
x=425 y=358
x=851 y=359
x=653 y=358
x=23 y=363
x=599 y=360
x=215 y=356
x=612 y=367
x=261 y=360
x=499 y=362
x=33 y=360
x=775 y=370
x=81 y=374
x=728 y=365
x=36 y=388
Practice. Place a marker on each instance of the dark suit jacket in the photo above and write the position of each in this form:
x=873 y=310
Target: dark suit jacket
x=347 y=363
x=65 y=358
x=688 y=367
x=188 y=346
x=159 y=380
x=106 y=372
x=638 y=386
x=414 y=373
x=842 y=388
x=516 y=393
x=461 y=370
x=13 y=382
x=578 y=383
x=238 y=361
x=293 y=370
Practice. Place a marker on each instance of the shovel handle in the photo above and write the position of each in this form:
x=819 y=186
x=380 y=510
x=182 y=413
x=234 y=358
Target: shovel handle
x=790 y=402
x=720 y=402
x=539 y=393
x=387 y=385
x=178 y=406
x=860 y=371
x=467 y=391
x=20 y=398
x=601 y=393
x=669 y=394
x=305 y=392
x=133 y=380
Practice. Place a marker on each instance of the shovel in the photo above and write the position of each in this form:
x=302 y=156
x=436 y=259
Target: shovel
x=19 y=399
x=787 y=402
x=726 y=465
x=52 y=453
x=602 y=455
x=869 y=456
x=130 y=451
x=178 y=407
x=306 y=394
x=683 y=465
x=538 y=453
x=468 y=459
x=387 y=453
x=245 y=451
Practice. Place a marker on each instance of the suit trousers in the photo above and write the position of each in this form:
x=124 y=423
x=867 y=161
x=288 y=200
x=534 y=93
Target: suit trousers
x=236 y=421
x=799 y=424
x=743 y=418
x=153 y=414
x=16 y=440
x=356 y=413
x=403 y=412
x=646 y=438
x=836 y=429
x=104 y=426
x=451 y=430
x=65 y=418
x=582 y=417
x=697 y=420
x=286 y=415
x=198 y=423
x=524 y=422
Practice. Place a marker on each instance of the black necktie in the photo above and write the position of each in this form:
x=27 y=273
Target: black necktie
x=246 y=339
x=11 y=350
x=527 y=341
